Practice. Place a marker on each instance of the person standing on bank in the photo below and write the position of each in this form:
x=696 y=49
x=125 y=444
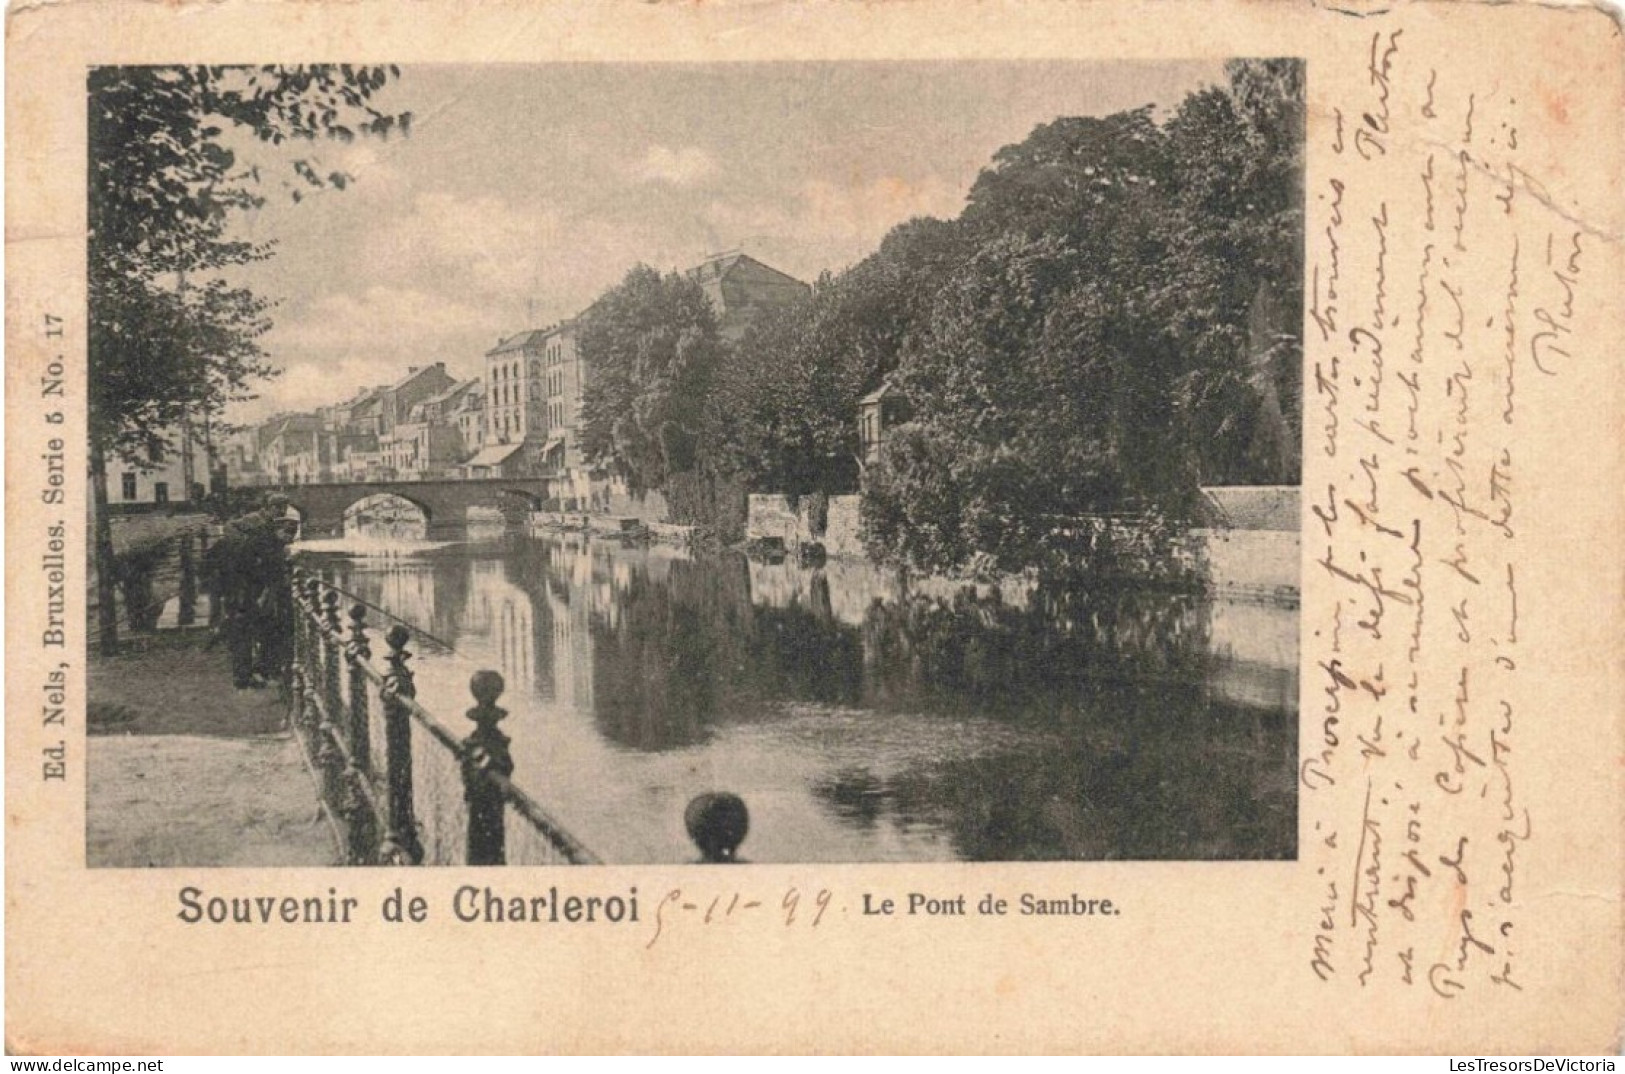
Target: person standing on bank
x=273 y=643
x=232 y=583
x=249 y=570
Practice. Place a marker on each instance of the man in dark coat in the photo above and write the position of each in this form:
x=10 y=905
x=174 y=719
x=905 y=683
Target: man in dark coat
x=250 y=575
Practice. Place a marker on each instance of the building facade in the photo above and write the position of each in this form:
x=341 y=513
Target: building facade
x=564 y=379
x=289 y=449
x=514 y=407
x=420 y=384
x=468 y=410
x=184 y=474
x=742 y=290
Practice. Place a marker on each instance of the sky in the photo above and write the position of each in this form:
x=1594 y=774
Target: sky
x=524 y=191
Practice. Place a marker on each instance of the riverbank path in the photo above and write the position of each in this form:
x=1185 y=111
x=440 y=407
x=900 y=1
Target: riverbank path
x=186 y=770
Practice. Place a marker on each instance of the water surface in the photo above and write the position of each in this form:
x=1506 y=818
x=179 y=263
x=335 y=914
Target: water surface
x=861 y=718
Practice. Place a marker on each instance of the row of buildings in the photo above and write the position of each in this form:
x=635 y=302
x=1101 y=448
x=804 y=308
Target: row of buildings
x=521 y=418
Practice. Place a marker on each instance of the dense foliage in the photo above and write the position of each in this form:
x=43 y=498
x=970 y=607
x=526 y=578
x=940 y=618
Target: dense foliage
x=788 y=390
x=170 y=339
x=1113 y=321
x=653 y=348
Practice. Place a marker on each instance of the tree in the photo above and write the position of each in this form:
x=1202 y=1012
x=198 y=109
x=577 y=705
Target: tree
x=1037 y=380
x=1114 y=333
x=1234 y=227
x=788 y=393
x=171 y=341
x=653 y=347
x=169 y=338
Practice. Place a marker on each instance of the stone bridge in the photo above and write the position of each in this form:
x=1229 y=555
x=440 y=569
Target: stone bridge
x=444 y=502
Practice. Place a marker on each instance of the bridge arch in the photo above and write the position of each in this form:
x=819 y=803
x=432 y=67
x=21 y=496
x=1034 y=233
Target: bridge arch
x=387 y=514
x=444 y=502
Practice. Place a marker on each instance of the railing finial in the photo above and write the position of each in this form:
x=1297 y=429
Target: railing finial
x=360 y=648
x=399 y=679
x=486 y=686
x=486 y=751
x=717 y=822
x=401 y=837
x=330 y=607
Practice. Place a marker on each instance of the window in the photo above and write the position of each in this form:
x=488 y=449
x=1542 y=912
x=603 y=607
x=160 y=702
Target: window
x=160 y=492
x=127 y=486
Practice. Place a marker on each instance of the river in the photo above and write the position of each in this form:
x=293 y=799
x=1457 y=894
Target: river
x=859 y=718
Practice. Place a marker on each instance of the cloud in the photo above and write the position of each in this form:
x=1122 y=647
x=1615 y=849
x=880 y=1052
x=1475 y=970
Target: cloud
x=379 y=320
x=687 y=166
x=867 y=211
x=341 y=342
x=829 y=224
x=481 y=249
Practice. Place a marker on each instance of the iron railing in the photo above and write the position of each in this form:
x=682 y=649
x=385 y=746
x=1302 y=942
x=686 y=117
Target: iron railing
x=403 y=788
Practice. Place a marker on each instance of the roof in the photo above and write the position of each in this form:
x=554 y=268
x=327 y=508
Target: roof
x=421 y=371
x=724 y=265
x=461 y=394
x=287 y=423
x=445 y=396
x=1254 y=507
x=493 y=455
x=522 y=341
x=878 y=394
x=741 y=288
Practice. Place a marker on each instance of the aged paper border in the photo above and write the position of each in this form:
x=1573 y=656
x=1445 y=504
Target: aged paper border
x=1205 y=957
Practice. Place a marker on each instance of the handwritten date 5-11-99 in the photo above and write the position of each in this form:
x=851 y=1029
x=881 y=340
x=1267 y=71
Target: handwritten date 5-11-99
x=792 y=910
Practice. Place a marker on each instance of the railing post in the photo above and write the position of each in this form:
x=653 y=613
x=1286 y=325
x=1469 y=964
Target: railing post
x=296 y=579
x=363 y=833
x=328 y=757
x=358 y=652
x=401 y=840
x=186 y=611
x=333 y=634
x=216 y=609
x=486 y=750
x=303 y=659
x=313 y=652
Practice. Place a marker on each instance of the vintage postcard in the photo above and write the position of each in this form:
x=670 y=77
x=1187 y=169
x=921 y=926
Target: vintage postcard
x=782 y=527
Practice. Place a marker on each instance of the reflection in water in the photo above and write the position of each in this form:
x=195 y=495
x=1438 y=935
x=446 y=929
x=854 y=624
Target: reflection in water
x=862 y=718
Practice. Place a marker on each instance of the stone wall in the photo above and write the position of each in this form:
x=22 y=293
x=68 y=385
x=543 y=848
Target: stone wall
x=1260 y=564
x=772 y=516
x=1251 y=550
x=1252 y=546
x=650 y=507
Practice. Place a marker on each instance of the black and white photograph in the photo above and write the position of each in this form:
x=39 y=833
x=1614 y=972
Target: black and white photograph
x=668 y=463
